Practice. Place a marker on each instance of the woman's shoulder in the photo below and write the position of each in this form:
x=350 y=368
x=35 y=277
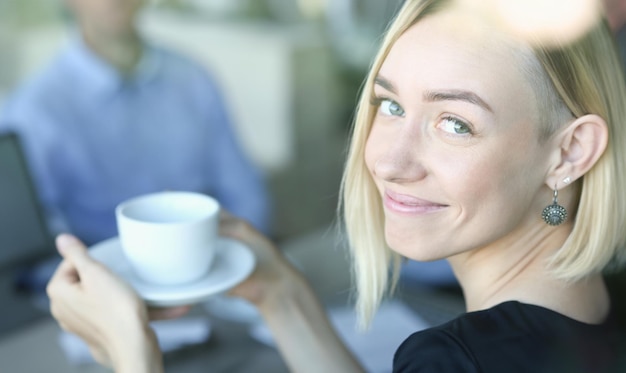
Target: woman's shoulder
x=511 y=337
x=455 y=346
x=434 y=350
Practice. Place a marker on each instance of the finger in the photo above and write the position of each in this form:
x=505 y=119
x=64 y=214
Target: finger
x=74 y=251
x=66 y=271
x=64 y=278
x=226 y=215
x=71 y=321
x=100 y=355
x=231 y=226
x=167 y=313
x=229 y=221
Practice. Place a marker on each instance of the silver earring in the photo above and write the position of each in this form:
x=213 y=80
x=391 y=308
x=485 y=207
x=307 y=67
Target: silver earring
x=554 y=214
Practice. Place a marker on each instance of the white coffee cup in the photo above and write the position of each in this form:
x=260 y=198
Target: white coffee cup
x=169 y=238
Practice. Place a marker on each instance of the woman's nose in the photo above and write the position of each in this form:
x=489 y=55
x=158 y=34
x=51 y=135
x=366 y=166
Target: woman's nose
x=400 y=162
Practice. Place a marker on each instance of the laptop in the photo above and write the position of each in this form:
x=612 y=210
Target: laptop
x=24 y=236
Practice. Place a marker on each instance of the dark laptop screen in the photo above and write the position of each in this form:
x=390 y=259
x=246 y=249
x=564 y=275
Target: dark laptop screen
x=23 y=233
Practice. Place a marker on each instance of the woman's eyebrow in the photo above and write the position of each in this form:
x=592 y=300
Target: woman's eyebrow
x=457 y=95
x=385 y=83
x=442 y=95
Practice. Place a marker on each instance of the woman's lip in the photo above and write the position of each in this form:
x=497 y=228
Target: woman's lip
x=409 y=204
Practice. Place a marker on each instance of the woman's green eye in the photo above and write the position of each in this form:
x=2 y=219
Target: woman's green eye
x=390 y=107
x=455 y=126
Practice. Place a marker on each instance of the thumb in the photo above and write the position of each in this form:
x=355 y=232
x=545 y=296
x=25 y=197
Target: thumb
x=73 y=250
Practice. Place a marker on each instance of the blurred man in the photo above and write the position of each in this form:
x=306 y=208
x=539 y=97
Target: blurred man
x=114 y=117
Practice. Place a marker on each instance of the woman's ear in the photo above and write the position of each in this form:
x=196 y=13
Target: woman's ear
x=581 y=144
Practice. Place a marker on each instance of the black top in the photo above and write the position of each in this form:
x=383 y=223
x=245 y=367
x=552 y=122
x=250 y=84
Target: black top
x=513 y=337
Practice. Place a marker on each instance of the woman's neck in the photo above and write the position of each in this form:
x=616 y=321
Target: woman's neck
x=516 y=268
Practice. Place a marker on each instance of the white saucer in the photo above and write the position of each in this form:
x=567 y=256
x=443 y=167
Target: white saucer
x=233 y=263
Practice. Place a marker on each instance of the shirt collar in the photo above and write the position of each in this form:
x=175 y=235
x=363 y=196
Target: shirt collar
x=102 y=76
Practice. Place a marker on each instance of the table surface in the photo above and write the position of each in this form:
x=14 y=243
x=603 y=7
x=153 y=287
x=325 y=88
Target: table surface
x=230 y=348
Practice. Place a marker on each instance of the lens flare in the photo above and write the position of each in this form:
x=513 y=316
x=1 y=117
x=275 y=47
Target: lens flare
x=544 y=21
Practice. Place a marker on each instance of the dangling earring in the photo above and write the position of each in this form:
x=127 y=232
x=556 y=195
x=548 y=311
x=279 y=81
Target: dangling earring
x=554 y=214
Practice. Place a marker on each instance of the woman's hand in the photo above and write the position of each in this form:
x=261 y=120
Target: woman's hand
x=90 y=301
x=297 y=319
x=273 y=273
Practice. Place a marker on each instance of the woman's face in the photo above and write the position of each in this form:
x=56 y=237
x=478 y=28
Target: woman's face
x=454 y=148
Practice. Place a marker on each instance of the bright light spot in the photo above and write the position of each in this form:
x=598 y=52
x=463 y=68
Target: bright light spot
x=546 y=21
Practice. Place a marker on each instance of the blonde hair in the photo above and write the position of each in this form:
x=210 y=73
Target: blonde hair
x=588 y=76
x=581 y=78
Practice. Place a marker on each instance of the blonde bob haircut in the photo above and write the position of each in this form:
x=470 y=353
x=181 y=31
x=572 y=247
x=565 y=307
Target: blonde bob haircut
x=587 y=77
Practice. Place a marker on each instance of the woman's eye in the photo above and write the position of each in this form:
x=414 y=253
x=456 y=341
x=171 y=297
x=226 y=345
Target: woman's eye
x=390 y=107
x=455 y=126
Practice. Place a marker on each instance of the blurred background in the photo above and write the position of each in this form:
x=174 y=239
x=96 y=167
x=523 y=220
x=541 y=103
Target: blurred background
x=290 y=71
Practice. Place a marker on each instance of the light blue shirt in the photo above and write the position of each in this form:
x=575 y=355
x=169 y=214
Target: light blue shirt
x=94 y=138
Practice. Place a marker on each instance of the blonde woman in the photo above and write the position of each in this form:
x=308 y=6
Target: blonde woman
x=503 y=155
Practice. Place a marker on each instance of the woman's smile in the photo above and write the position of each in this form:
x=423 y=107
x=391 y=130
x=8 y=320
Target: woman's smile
x=409 y=205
